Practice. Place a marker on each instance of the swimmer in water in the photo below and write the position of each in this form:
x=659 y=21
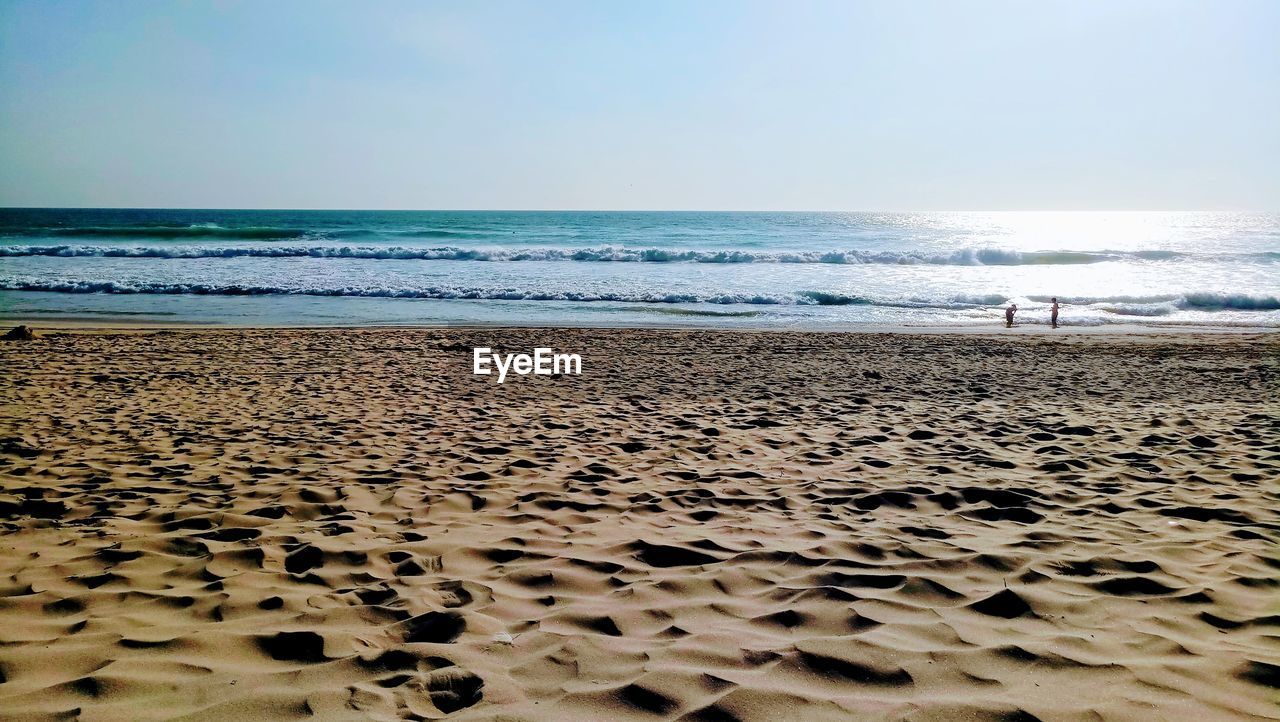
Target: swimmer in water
x=1008 y=315
x=1053 y=313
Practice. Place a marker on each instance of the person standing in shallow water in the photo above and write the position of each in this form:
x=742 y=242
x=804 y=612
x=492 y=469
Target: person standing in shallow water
x=1008 y=315
x=1053 y=312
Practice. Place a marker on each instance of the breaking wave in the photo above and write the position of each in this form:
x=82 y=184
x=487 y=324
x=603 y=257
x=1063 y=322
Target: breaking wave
x=965 y=257
x=1120 y=305
x=1166 y=304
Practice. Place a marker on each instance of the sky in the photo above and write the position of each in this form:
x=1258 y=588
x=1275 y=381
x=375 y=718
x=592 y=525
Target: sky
x=707 y=105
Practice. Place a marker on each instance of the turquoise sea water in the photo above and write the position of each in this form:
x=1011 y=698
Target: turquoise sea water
x=806 y=270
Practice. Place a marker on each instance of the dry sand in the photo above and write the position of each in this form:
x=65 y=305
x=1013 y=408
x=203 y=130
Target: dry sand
x=757 y=526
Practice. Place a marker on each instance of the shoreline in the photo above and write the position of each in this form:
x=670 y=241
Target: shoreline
x=993 y=330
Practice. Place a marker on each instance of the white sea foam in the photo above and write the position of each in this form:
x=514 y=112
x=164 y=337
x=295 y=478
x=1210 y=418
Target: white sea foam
x=965 y=257
x=1120 y=305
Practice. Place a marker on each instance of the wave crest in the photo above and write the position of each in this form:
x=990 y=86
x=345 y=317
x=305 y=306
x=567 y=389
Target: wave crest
x=1119 y=305
x=604 y=254
x=1152 y=305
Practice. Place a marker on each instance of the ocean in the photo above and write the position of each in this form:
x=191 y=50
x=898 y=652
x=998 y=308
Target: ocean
x=730 y=269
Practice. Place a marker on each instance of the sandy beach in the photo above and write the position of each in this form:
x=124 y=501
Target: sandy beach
x=348 y=524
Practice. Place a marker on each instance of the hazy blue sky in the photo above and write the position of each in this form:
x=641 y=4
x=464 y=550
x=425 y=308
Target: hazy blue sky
x=1114 y=104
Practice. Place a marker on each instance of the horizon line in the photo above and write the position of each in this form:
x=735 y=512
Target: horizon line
x=618 y=210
